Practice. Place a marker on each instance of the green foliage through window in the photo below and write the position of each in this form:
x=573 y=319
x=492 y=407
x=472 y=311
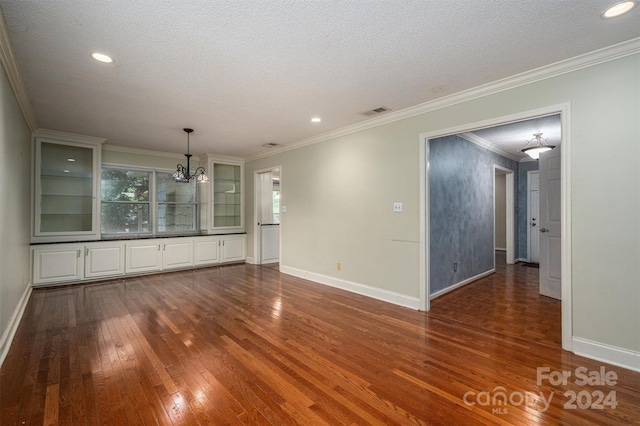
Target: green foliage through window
x=125 y=201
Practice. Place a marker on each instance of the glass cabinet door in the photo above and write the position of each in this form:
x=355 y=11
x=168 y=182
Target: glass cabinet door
x=227 y=196
x=65 y=189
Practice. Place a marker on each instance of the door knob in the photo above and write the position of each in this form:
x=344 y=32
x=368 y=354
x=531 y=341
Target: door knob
x=544 y=230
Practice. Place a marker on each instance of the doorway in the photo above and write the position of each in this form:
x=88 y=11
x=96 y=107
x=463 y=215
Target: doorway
x=504 y=212
x=533 y=215
x=268 y=190
x=427 y=228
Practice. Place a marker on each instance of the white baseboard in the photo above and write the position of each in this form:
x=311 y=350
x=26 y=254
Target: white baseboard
x=460 y=284
x=12 y=327
x=614 y=355
x=362 y=289
x=520 y=260
x=250 y=260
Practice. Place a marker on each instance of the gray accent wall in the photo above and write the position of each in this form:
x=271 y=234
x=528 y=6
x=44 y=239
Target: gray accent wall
x=461 y=219
x=521 y=224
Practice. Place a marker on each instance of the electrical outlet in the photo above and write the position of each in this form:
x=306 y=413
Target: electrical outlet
x=339 y=266
x=455 y=267
x=397 y=207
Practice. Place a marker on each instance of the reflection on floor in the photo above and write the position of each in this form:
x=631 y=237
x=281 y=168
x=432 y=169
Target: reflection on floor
x=275 y=266
x=507 y=302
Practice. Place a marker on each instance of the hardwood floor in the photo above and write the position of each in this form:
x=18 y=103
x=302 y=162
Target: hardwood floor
x=506 y=302
x=247 y=345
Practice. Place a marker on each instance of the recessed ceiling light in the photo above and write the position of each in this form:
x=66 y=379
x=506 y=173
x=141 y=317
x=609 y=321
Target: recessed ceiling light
x=619 y=8
x=102 y=58
x=71 y=160
x=66 y=171
x=316 y=119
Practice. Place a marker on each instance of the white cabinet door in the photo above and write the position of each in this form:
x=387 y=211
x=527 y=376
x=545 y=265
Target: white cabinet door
x=225 y=209
x=207 y=251
x=233 y=248
x=67 y=187
x=143 y=257
x=177 y=253
x=60 y=263
x=104 y=260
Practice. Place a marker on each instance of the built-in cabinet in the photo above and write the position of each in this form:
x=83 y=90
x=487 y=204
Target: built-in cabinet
x=177 y=253
x=143 y=256
x=66 y=187
x=223 y=201
x=65 y=263
x=104 y=259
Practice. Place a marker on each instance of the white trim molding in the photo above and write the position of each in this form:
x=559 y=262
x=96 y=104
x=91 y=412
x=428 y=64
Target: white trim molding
x=586 y=60
x=613 y=355
x=67 y=137
x=461 y=283
x=353 y=287
x=10 y=66
x=14 y=321
x=250 y=260
x=482 y=142
x=141 y=151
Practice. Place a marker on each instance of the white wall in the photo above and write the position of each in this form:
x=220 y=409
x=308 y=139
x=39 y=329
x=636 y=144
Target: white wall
x=339 y=196
x=500 y=214
x=15 y=193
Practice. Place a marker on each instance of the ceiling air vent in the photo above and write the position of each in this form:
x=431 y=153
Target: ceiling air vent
x=375 y=111
x=270 y=145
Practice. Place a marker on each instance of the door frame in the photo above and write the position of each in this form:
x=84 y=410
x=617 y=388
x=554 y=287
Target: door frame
x=564 y=110
x=529 y=174
x=257 y=235
x=510 y=212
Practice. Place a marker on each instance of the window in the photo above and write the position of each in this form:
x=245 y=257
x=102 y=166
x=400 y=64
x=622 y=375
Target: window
x=177 y=205
x=125 y=201
x=276 y=206
x=127 y=206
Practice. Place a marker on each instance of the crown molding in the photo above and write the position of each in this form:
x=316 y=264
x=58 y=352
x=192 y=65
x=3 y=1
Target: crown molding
x=8 y=61
x=617 y=51
x=230 y=158
x=141 y=151
x=69 y=137
x=482 y=142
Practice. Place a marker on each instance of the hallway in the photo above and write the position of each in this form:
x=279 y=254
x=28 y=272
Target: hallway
x=507 y=302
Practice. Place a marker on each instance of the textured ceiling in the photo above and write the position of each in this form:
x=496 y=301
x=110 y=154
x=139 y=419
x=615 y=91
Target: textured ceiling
x=245 y=73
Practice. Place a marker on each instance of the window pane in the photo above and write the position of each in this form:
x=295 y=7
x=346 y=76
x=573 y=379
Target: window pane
x=176 y=217
x=124 y=218
x=170 y=191
x=124 y=185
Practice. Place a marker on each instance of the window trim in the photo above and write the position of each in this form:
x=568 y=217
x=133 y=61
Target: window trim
x=153 y=203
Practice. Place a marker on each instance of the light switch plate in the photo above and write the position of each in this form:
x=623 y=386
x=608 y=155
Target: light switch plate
x=283 y=209
x=397 y=207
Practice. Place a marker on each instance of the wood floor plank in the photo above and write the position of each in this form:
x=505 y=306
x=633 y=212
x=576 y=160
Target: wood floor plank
x=247 y=345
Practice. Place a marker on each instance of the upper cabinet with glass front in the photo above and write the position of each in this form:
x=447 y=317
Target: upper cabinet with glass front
x=66 y=185
x=226 y=192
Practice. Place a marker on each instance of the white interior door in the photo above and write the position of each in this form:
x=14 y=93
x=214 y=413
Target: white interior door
x=533 y=217
x=268 y=233
x=549 y=224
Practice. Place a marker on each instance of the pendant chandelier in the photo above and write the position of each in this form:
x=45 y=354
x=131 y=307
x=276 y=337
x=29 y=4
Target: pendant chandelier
x=535 y=146
x=183 y=174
